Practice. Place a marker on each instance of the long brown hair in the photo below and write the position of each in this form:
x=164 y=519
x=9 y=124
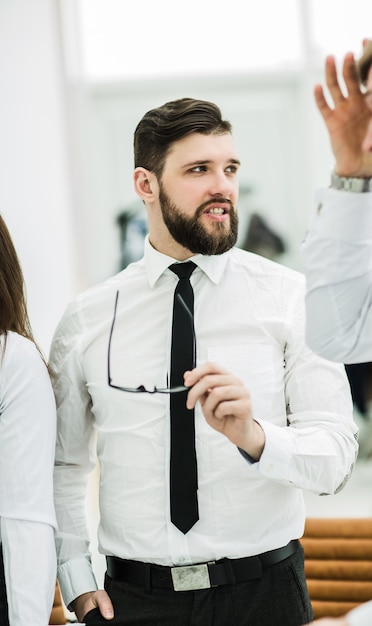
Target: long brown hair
x=13 y=307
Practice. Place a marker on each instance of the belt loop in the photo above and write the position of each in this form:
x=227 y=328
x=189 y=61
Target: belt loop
x=147 y=578
x=230 y=572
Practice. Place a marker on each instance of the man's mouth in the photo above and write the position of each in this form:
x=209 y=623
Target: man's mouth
x=216 y=211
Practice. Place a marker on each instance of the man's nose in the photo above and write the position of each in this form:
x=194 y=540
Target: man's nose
x=223 y=185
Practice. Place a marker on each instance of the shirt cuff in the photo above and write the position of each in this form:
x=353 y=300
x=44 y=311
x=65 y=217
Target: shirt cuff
x=76 y=577
x=342 y=215
x=276 y=455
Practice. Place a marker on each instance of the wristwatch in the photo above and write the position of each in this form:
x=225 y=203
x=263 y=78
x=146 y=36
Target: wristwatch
x=357 y=185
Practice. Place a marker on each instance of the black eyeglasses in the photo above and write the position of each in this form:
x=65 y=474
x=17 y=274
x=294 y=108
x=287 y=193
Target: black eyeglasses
x=142 y=388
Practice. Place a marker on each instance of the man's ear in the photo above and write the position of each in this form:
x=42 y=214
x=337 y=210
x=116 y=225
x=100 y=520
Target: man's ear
x=145 y=183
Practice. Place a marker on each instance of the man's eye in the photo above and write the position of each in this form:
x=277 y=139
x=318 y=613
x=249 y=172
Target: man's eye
x=198 y=168
x=232 y=169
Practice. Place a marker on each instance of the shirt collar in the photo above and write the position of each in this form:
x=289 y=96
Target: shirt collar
x=157 y=263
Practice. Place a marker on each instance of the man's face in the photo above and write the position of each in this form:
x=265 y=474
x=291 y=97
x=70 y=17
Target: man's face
x=198 y=192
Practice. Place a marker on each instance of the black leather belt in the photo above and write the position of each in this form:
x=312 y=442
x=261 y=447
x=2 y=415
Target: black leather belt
x=200 y=576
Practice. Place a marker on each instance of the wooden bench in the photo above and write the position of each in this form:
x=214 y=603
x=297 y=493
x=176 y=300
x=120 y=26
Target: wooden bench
x=338 y=563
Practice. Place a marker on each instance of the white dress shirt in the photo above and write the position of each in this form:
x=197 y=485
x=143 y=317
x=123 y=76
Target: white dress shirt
x=27 y=446
x=337 y=254
x=249 y=318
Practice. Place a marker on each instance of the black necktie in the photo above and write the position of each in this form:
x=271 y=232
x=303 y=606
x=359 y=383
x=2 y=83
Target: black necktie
x=183 y=468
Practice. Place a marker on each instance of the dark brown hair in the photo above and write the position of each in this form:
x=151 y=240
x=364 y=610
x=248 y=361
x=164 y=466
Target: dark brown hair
x=365 y=63
x=13 y=308
x=161 y=127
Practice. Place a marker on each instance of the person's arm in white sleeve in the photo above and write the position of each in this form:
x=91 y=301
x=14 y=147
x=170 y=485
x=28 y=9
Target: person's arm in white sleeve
x=30 y=570
x=75 y=459
x=317 y=451
x=337 y=255
x=337 y=250
x=27 y=519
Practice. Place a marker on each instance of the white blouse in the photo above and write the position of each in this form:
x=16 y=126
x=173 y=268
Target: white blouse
x=27 y=447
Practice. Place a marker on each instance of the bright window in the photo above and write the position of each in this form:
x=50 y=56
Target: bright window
x=123 y=40
x=128 y=39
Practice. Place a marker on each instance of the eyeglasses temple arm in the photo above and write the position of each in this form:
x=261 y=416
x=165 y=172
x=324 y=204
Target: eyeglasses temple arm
x=110 y=337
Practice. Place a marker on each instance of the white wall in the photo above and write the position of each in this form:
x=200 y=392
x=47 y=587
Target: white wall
x=35 y=188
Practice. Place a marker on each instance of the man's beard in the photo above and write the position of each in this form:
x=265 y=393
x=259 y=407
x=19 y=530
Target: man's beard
x=190 y=233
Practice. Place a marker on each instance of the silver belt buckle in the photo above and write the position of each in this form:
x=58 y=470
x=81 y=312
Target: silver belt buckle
x=190 y=577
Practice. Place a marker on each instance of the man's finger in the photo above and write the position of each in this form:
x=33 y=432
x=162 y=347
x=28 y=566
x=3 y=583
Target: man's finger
x=332 y=80
x=204 y=384
x=350 y=75
x=321 y=102
x=102 y=601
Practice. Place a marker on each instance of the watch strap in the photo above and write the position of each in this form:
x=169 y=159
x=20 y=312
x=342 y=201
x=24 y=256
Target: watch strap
x=345 y=183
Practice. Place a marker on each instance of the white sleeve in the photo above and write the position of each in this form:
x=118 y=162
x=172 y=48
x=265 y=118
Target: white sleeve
x=75 y=458
x=337 y=256
x=317 y=450
x=361 y=616
x=30 y=571
x=27 y=518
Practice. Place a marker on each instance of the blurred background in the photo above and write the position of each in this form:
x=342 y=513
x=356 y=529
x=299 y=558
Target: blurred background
x=76 y=76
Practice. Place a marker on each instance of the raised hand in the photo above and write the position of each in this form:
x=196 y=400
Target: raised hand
x=346 y=119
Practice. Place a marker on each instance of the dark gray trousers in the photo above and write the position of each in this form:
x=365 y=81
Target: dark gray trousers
x=278 y=598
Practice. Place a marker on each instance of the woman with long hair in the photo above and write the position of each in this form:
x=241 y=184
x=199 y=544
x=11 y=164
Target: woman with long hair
x=27 y=443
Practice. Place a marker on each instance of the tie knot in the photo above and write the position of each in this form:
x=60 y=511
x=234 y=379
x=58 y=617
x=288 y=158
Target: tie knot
x=183 y=270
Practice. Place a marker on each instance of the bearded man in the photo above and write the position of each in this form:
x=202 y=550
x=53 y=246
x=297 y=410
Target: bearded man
x=188 y=374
